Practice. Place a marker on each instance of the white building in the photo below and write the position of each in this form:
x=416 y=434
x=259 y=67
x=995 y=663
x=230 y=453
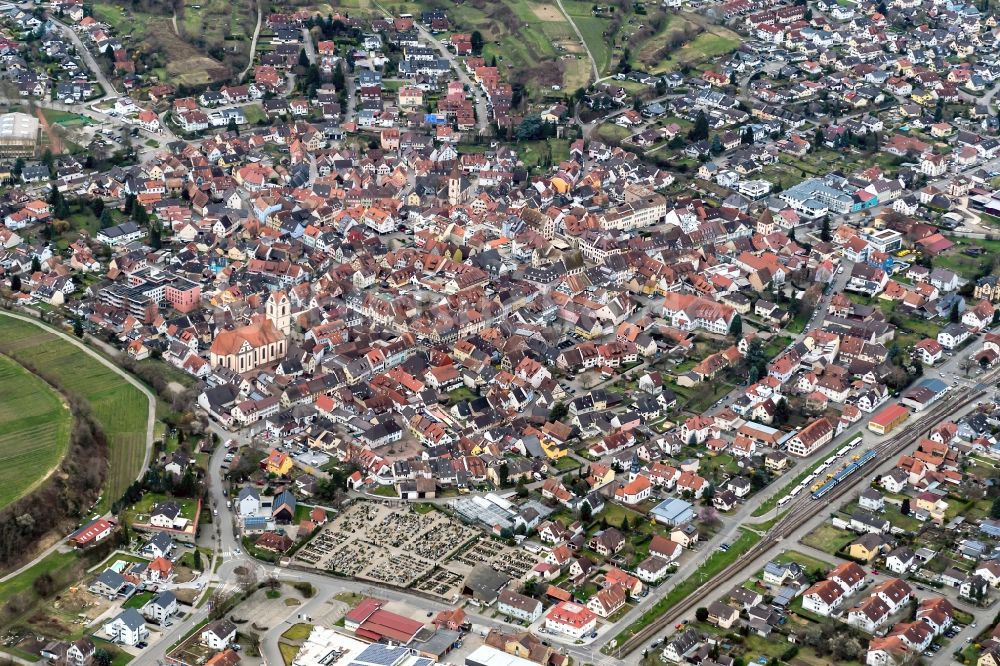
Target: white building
x=128 y=628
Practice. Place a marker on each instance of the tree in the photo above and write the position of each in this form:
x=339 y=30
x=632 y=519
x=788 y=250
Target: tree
x=530 y=129
x=585 y=513
x=716 y=146
x=955 y=315
x=196 y=559
x=700 y=130
x=476 y=38
x=558 y=412
x=107 y=219
x=140 y=215
x=15 y=283
x=824 y=232
x=36 y=265
x=995 y=509
x=246 y=577
x=781 y=412
x=747 y=137
x=155 y=236
x=701 y=614
x=77 y=327
x=522 y=488
x=503 y=474
x=736 y=328
x=44 y=585
x=303 y=58
x=102 y=657
x=905 y=508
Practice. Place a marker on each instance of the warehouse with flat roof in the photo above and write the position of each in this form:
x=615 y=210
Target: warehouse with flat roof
x=18 y=134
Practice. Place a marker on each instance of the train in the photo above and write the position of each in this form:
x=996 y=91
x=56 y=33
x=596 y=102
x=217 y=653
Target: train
x=844 y=474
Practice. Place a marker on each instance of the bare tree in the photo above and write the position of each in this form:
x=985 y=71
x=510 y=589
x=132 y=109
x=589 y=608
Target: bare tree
x=246 y=577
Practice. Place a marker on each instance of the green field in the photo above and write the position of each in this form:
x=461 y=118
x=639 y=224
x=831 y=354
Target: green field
x=535 y=153
x=65 y=118
x=118 y=407
x=34 y=430
x=58 y=565
x=702 y=48
x=828 y=538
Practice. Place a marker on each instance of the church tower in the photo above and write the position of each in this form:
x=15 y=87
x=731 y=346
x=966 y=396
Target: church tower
x=455 y=187
x=279 y=310
x=634 y=468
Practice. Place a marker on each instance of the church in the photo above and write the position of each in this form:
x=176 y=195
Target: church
x=261 y=342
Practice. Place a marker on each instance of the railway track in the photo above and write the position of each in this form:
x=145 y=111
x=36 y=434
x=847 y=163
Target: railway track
x=804 y=508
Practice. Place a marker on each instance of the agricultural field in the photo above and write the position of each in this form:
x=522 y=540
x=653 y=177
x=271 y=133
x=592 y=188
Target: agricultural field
x=533 y=42
x=715 y=41
x=119 y=407
x=218 y=23
x=593 y=29
x=176 y=57
x=34 y=430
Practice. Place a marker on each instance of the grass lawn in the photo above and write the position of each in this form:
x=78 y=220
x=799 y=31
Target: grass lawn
x=288 y=653
x=461 y=393
x=138 y=600
x=612 y=132
x=149 y=500
x=118 y=407
x=567 y=464
x=65 y=118
x=58 y=565
x=254 y=113
x=298 y=632
x=385 y=491
x=828 y=538
x=350 y=598
x=806 y=561
x=539 y=153
x=710 y=44
x=34 y=430
x=592 y=29
x=715 y=563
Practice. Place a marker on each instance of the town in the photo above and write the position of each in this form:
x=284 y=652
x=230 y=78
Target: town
x=500 y=334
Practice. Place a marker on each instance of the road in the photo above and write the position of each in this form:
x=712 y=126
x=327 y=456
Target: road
x=226 y=544
x=150 y=417
x=253 y=43
x=88 y=58
x=479 y=97
x=482 y=112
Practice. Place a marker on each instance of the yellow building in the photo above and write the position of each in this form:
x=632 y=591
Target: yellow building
x=860 y=552
x=553 y=450
x=278 y=463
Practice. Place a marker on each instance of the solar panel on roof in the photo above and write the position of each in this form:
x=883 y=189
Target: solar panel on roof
x=378 y=654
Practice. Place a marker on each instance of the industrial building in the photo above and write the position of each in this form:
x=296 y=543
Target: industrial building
x=18 y=135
